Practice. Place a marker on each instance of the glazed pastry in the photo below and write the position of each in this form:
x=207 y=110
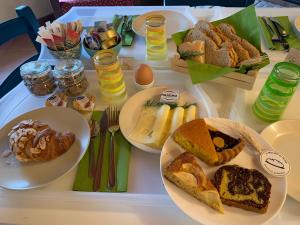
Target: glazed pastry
x=186 y=173
x=226 y=146
x=31 y=140
x=59 y=99
x=84 y=103
x=244 y=188
x=207 y=143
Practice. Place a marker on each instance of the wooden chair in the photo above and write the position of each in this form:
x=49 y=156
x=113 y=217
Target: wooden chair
x=25 y=23
x=227 y=3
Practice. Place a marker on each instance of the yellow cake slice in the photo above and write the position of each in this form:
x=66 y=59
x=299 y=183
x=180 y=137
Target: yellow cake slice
x=207 y=143
x=186 y=173
x=194 y=137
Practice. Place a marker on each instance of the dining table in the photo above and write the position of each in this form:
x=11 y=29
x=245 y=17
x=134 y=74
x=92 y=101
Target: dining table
x=146 y=201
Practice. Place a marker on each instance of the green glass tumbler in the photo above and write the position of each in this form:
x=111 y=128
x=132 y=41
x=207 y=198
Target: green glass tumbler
x=277 y=91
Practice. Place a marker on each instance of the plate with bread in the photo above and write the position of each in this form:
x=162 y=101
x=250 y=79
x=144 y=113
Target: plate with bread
x=40 y=146
x=214 y=175
x=175 y=22
x=146 y=121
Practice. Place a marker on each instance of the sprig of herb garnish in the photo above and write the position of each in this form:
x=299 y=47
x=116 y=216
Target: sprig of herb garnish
x=157 y=103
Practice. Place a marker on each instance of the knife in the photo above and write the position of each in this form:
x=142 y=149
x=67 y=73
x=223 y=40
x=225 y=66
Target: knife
x=103 y=130
x=274 y=36
x=281 y=29
x=282 y=40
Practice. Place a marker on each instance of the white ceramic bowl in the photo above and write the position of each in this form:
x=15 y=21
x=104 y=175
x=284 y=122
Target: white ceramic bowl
x=297 y=25
x=141 y=87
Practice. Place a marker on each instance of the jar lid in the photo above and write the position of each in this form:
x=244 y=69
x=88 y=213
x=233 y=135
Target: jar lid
x=68 y=68
x=35 y=68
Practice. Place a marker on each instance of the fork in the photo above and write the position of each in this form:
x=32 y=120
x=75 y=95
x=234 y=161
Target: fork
x=113 y=127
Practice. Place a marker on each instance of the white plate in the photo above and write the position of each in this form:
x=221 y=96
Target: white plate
x=21 y=176
x=175 y=22
x=284 y=136
x=247 y=158
x=133 y=106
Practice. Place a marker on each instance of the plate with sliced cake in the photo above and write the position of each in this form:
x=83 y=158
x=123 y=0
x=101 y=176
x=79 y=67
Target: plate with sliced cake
x=213 y=173
x=150 y=116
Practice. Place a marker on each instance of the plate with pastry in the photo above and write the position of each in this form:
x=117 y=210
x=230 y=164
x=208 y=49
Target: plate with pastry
x=175 y=22
x=40 y=146
x=214 y=175
x=151 y=115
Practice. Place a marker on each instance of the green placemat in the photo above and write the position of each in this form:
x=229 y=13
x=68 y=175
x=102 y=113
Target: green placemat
x=292 y=39
x=127 y=34
x=122 y=156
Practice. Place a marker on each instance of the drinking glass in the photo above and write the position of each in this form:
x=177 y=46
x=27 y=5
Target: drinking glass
x=156 y=41
x=277 y=91
x=110 y=76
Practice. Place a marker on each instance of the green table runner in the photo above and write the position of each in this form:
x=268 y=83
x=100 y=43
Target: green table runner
x=292 y=39
x=122 y=156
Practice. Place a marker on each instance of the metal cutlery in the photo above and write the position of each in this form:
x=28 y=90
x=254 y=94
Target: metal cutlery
x=113 y=127
x=98 y=170
x=274 y=36
x=279 y=30
x=94 y=126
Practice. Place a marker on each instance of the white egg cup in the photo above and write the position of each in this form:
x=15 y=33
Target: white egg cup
x=141 y=87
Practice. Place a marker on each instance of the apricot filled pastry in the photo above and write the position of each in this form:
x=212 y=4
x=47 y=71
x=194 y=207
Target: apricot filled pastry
x=186 y=173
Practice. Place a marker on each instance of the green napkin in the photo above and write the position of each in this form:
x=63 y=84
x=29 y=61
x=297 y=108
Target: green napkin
x=292 y=39
x=246 y=25
x=122 y=156
x=123 y=25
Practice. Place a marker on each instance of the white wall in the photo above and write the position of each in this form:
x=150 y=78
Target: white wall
x=39 y=7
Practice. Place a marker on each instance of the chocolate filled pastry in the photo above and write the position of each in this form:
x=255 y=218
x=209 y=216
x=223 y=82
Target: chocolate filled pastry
x=32 y=140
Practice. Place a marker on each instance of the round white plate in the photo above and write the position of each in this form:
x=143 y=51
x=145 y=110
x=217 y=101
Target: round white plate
x=175 y=22
x=133 y=106
x=248 y=158
x=284 y=136
x=19 y=176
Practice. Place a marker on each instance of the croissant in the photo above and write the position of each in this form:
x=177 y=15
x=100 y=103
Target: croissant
x=32 y=140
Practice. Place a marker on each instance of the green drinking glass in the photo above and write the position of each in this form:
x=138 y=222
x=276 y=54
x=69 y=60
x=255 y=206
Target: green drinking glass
x=277 y=91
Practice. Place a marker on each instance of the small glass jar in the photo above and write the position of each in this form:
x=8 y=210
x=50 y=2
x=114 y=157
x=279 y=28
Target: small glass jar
x=38 y=77
x=277 y=91
x=70 y=76
x=156 y=40
x=110 y=76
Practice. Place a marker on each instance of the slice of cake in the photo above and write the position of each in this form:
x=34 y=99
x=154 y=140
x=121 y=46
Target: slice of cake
x=186 y=173
x=194 y=137
x=244 y=188
x=207 y=143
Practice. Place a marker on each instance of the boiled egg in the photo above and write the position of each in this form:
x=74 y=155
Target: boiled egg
x=144 y=75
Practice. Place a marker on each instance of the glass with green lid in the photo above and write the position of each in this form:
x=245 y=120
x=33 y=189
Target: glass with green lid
x=277 y=91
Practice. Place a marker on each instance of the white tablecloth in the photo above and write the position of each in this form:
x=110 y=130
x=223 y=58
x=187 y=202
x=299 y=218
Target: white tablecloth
x=55 y=204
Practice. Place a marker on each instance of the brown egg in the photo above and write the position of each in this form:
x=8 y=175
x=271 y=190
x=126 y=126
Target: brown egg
x=144 y=75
